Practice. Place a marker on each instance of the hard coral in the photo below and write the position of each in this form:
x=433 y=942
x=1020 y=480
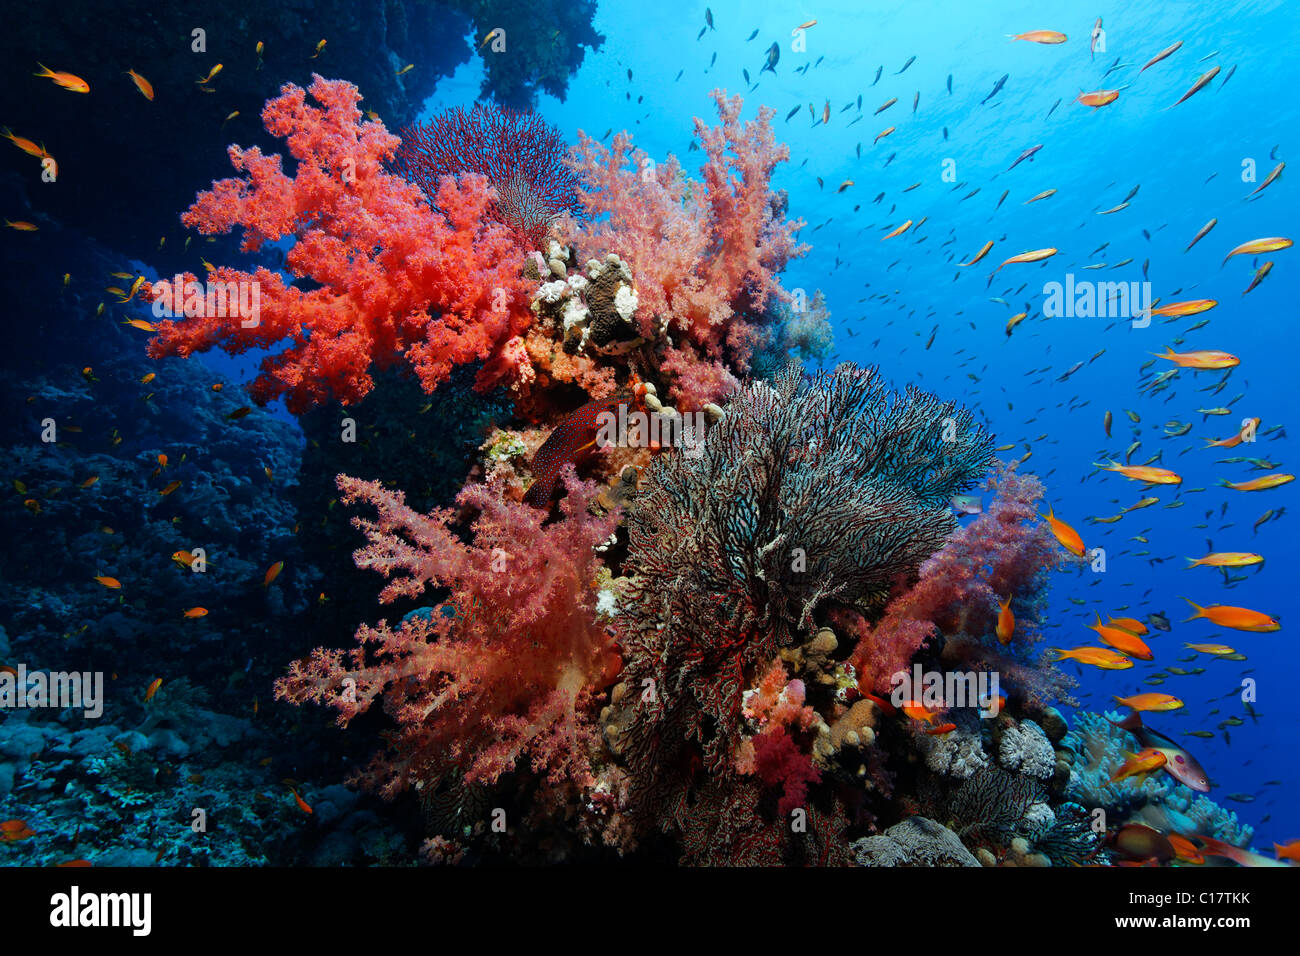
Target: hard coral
x=504 y=670
x=392 y=280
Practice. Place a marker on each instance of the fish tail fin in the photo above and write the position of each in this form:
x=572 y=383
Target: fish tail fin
x=1192 y=563
x=1200 y=611
x=1060 y=654
x=45 y=70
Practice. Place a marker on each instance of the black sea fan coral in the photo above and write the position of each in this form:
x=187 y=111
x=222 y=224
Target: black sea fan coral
x=810 y=489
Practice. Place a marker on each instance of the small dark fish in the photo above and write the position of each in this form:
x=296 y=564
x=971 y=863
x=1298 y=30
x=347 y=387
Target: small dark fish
x=1000 y=199
x=1228 y=77
x=890 y=159
x=880 y=69
x=773 y=57
x=1201 y=235
x=945 y=134
x=703 y=30
x=745 y=74
x=708 y=18
x=629 y=74
x=1132 y=192
x=790 y=115
x=996 y=87
x=1272 y=153
x=752 y=35
x=950 y=84
x=678 y=76
x=714 y=59
x=859 y=101
x=916 y=100
x=1054 y=106
x=1145 y=264
x=1027 y=154
x=910 y=61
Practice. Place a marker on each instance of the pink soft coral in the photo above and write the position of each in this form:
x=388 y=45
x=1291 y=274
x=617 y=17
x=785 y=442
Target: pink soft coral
x=705 y=254
x=504 y=669
x=394 y=280
x=1000 y=554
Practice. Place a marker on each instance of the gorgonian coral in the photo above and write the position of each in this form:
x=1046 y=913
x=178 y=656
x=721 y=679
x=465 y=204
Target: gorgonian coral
x=520 y=154
x=807 y=492
x=389 y=280
x=503 y=670
x=705 y=254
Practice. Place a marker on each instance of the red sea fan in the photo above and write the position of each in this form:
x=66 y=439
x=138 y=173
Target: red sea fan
x=518 y=153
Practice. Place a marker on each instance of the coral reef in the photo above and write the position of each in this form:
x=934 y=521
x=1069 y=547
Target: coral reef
x=705 y=254
x=505 y=668
x=393 y=280
x=807 y=492
x=519 y=154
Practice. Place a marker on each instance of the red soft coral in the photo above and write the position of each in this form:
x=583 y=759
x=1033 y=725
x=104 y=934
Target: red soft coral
x=503 y=670
x=392 y=279
x=778 y=761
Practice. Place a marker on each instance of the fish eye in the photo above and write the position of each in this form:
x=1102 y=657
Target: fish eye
x=1179 y=758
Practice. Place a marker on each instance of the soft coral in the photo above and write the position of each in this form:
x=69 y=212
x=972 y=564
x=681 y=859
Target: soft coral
x=393 y=280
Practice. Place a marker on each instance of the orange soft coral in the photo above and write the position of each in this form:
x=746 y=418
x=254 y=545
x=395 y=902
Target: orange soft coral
x=391 y=280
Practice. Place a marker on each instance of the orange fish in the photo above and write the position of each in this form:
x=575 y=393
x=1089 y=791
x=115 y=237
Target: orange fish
x=152 y=689
x=272 y=573
x=239 y=413
x=1034 y=255
x=89 y=481
x=1190 y=307
x=1184 y=849
x=1006 y=626
x=1236 y=439
x=1068 y=537
x=1139 y=764
x=112 y=583
x=22 y=225
x=941 y=729
x=1039 y=36
x=1255 y=246
x=979 y=255
x=162 y=460
x=1262 y=483
x=302 y=804
x=69 y=81
x=11 y=831
x=1130 y=624
x=75 y=863
x=1144 y=473
x=211 y=73
x=901 y=229
x=1151 y=701
x=1208 y=359
x=141 y=84
x=882 y=134
x=1098 y=98
x=1288 y=851
x=1237 y=618
x=148 y=377
x=1226 y=559
x=171 y=486
x=1102 y=657
x=26 y=145
x=140 y=324
x=196 y=612
x=1128 y=644
x=918 y=711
